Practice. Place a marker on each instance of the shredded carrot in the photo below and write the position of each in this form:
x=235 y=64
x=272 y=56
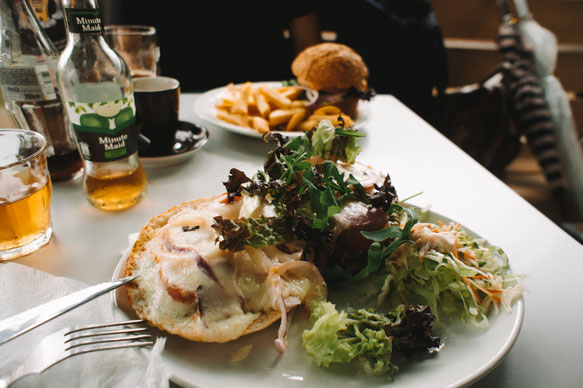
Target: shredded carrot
x=440 y=223
x=455 y=247
x=469 y=255
x=487 y=292
x=456 y=226
x=467 y=281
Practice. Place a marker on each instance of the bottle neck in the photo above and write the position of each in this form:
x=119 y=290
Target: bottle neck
x=16 y=13
x=21 y=32
x=80 y=4
x=83 y=19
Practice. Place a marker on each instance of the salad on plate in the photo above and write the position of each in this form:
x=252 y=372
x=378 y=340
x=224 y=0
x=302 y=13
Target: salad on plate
x=316 y=227
x=365 y=241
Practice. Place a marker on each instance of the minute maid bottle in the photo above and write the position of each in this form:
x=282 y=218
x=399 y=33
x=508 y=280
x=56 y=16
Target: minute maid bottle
x=105 y=130
x=97 y=90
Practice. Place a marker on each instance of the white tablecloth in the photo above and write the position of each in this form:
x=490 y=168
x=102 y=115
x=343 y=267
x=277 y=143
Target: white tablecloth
x=87 y=241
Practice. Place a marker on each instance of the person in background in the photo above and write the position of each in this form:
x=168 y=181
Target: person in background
x=209 y=44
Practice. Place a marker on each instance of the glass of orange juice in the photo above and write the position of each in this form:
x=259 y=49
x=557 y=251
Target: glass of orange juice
x=25 y=193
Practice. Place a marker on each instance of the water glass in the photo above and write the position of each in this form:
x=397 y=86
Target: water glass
x=137 y=45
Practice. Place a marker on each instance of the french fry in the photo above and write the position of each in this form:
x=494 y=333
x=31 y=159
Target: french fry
x=291 y=92
x=265 y=108
x=231 y=118
x=274 y=97
x=299 y=104
x=224 y=105
x=307 y=125
x=262 y=105
x=333 y=118
x=241 y=105
x=260 y=124
x=327 y=110
x=280 y=116
x=247 y=121
x=295 y=120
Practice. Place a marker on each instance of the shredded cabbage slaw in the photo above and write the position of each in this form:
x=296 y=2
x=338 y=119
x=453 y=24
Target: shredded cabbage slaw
x=451 y=272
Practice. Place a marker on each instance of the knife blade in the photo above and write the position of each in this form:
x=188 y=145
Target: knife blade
x=18 y=324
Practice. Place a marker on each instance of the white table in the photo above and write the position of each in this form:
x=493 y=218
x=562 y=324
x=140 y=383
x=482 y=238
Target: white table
x=548 y=352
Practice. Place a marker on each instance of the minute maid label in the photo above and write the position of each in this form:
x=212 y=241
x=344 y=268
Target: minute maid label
x=84 y=20
x=105 y=131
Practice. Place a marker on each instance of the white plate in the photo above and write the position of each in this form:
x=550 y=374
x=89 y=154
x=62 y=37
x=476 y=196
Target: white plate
x=205 y=109
x=467 y=355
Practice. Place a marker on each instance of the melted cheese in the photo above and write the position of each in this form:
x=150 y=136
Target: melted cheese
x=205 y=289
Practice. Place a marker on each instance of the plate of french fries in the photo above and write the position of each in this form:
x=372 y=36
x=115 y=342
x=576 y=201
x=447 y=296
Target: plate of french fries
x=254 y=108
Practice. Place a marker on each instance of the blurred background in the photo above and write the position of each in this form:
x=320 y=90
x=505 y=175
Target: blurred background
x=470 y=29
x=417 y=50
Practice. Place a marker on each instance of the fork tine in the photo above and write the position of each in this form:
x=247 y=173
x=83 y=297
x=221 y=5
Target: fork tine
x=91 y=327
x=134 y=338
x=92 y=332
x=104 y=333
x=112 y=347
x=69 y=342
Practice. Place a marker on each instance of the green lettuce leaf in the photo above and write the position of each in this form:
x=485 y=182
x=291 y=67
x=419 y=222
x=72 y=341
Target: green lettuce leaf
x=367 y=336
x=335 y=144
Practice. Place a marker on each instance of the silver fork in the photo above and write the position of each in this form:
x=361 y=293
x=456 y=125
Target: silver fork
x=72 y=341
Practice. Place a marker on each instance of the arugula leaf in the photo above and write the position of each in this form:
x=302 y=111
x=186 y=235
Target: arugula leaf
x=412 y=219
x=302 y=182
x=375 y=259
x=391 y=232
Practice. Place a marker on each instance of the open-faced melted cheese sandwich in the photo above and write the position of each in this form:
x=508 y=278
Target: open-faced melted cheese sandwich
x=214 y=269
x=190 y=287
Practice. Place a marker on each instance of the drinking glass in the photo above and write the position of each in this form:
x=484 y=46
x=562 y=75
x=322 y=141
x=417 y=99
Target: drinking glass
x=25 y=193
x=137 y=45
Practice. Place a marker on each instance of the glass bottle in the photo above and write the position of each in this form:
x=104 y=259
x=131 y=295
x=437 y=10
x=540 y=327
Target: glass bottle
x=28 y=80
x=52 y=21
x=97 y=90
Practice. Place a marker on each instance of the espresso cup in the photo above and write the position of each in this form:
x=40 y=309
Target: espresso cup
x=157 y=108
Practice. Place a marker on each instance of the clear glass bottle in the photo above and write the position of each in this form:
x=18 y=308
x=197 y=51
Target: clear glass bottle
x=96 y=87
x=28 y=80
x=52 y=21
